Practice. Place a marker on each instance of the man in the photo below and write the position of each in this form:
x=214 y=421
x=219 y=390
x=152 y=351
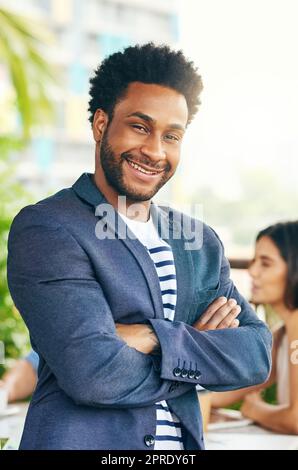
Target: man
x=117 y=320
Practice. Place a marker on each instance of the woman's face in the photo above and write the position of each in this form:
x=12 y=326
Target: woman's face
x=268 y=271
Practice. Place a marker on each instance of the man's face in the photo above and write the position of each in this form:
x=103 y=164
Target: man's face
x=140 y=148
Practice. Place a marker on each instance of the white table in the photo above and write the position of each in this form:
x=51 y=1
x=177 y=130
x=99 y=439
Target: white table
x=247 y=437
x=12 y=424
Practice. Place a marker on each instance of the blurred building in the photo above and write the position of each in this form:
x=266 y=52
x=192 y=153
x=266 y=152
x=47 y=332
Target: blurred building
x=85 y=32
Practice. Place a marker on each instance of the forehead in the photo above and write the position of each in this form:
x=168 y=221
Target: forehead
x=266 y=247
x=163 y=104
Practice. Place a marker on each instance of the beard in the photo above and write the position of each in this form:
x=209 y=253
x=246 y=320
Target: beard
x=113 y=171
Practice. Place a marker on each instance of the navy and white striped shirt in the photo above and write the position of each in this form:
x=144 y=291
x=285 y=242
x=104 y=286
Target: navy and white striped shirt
x=168 y=427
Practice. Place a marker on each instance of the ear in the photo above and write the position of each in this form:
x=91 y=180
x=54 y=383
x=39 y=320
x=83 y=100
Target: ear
x=99 y=125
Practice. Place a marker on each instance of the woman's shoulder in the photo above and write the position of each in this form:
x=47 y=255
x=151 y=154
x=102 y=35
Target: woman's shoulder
x=278 y=332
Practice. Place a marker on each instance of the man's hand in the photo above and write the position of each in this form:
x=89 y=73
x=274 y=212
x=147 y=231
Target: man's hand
x=139 y=336
x=220 y=314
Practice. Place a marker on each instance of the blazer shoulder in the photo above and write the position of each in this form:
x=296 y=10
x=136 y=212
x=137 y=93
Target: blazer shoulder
x=212 y=235
x=51 y=211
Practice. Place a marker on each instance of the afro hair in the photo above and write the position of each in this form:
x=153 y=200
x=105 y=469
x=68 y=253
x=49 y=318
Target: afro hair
x=146 y=63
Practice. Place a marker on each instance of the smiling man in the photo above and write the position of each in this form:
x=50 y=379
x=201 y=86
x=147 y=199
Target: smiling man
x=141 y=150
x=127 y=327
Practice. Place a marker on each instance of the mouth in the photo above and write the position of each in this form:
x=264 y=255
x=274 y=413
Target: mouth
x=255 y=288
x=143 y=171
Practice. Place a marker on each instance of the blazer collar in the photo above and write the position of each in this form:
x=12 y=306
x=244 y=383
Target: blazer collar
x=86 y=189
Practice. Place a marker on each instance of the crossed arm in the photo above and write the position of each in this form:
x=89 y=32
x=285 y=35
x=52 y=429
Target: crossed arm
x=70 y=322
x=220 y=314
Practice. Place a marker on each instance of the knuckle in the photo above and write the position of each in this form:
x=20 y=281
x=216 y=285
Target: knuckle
x=224 y=313
x=236 y=310
x=218 y=302
x=206 y=328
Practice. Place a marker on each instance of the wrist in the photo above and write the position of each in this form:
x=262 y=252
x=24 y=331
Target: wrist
x=156 y=344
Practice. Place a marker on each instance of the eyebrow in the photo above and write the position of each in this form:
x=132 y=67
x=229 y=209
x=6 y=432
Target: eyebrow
x=266 y=258
x=150 y=119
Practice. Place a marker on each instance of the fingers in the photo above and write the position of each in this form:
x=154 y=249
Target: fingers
x=208 y=314
x=224 y=315
x=230 y=321
x=220 y=314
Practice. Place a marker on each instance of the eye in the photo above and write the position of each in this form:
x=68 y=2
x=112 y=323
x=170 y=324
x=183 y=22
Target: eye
x=266 y=263
x=172 y=137
x=139 y=127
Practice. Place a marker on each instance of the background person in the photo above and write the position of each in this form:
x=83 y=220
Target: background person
x=20 y=381
x=274 y=273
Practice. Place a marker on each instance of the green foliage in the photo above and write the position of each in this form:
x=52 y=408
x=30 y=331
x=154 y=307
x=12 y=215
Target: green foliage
x=21 y=43
x=21 y=51
x=13 y=197
x=3 y=441
x=269 y=395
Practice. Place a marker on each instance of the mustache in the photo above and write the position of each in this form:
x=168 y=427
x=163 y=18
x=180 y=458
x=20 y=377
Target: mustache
x=148 y=163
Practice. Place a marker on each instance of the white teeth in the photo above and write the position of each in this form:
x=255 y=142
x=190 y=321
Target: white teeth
x=134 y=165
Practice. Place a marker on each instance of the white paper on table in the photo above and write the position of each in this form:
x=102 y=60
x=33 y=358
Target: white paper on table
x=242 y=441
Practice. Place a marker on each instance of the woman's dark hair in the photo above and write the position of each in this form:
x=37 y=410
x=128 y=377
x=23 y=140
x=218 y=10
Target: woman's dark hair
x=285 y=236
x=147 y=64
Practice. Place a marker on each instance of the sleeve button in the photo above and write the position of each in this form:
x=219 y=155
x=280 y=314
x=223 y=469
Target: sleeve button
x=177 y=372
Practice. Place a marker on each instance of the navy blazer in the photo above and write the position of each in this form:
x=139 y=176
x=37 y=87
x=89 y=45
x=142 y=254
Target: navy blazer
x=71 y=286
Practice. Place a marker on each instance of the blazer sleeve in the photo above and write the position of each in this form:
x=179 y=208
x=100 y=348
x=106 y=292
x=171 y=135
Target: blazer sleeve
x=218 y=360
x=53 y=286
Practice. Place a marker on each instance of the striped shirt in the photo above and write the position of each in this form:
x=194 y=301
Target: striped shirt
x=168 y=427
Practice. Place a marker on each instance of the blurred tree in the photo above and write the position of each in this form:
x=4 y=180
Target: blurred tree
x=30 y=76
x=22 y=44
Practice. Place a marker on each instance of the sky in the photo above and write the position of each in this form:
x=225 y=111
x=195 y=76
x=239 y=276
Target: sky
x=246 y=52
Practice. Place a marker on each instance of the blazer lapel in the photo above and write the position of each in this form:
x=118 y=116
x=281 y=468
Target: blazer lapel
x=183 y=262
x=86 y=189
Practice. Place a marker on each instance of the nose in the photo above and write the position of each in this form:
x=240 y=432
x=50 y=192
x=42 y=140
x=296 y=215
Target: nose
x=253 y=269
x=153 y=149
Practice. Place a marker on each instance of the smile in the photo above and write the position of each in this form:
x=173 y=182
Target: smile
x=142 y=169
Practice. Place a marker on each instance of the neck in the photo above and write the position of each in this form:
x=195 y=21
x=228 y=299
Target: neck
x=137 y=210
x=284 y=312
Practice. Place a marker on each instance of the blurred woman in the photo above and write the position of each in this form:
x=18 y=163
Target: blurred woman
x=274 y=273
